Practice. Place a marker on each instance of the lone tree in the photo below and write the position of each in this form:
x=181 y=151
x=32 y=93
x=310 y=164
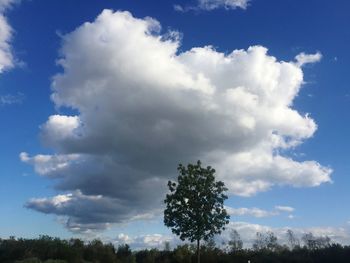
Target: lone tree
x=195 y=206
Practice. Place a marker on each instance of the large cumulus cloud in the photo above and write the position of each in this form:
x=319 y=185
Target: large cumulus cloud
x=144 y=107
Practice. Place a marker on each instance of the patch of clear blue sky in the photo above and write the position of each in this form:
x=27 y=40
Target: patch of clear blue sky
x=286 y=27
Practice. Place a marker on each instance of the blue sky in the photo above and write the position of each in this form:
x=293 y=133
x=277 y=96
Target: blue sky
x=273 y=123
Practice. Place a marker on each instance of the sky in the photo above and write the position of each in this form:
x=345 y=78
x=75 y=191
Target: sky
x=100 y=100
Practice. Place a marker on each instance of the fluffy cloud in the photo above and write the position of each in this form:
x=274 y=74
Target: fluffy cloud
x=144 y=107
x=209 y=5
x=6 y=56
x=303 y=58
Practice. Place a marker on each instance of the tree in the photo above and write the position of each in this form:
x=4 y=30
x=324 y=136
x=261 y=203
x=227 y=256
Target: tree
x=195 y=206
x=312 y=242
x=235 y=242
x=293 y=241
x=267 y=241
x=309 y=241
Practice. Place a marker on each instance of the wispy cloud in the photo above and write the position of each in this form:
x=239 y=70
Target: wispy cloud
x=284 y=208
x=10 y=99
x=209 y=5
x=257 y=212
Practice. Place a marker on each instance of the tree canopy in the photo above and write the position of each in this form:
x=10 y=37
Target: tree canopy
x=195 y=206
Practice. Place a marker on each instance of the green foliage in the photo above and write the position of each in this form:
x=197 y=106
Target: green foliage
x=183 y=254
x=29 y=251
x=29 y=260
x=195 y=206
x=124 y=254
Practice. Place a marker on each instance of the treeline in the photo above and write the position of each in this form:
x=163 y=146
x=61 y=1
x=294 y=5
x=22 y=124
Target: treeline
x=265 y=248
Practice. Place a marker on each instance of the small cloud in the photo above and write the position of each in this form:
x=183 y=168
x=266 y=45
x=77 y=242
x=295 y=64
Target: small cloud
x=291 y=216
x=284 y=208
x=10 y=99
x=257 y=212
x=303 y=58
x=179 y=8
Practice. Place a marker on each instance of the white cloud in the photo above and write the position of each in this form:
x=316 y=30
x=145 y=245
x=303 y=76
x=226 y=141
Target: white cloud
x=208 y=5
x=284 y=208
x=10 y=99
x=60 y=128
x=303 y=59
x=6 y=57
x=144 y=107
x=257 y=212
x=227 y=4
x=145 y=241
x=50 y=165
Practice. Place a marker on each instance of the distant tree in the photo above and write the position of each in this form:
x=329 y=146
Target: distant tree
x=124 y=254
x=210 y=244
x=266 y=241
x=195 y=206
x=323 y=242
x=235 y=243
x=183 y=254
x=259 y=242
x=292 y=240
x=167 y=246
x=311 y=242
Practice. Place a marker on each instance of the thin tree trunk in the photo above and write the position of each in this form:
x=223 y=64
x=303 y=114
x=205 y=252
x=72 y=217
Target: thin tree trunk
x=198 y=252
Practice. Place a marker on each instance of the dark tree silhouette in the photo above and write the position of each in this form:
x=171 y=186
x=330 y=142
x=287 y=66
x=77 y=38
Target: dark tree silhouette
x=195 y=206
x=47 y=249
